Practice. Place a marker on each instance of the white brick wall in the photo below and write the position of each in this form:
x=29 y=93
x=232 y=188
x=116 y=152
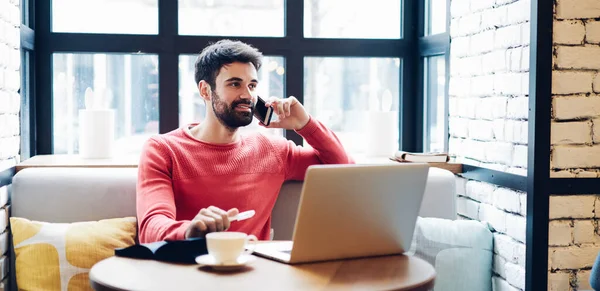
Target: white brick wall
x=10 y=82
x=488 y=111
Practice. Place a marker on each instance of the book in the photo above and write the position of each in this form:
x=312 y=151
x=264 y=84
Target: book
x=178 y=251
x=402 y=156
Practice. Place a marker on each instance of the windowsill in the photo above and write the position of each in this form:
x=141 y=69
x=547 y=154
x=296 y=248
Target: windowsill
x=131 y=161
x=126 y=161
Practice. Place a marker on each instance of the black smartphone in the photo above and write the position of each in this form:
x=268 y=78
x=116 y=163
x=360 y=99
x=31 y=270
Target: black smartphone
x=261 y=112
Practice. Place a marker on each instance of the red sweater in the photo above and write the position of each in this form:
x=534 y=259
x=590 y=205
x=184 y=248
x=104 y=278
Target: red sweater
x=179 y=175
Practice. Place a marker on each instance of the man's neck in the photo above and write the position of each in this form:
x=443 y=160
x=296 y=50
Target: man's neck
x=212 y=131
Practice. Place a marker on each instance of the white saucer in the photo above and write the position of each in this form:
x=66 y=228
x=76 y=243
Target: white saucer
x=208 y=260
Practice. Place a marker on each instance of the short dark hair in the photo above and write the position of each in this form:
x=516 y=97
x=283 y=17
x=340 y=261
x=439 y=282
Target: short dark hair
x=221 y=53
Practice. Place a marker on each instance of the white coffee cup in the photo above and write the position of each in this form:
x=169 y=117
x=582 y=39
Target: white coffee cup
x=227 y=247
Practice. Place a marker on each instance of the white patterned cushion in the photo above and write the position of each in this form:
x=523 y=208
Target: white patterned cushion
x=460 y=250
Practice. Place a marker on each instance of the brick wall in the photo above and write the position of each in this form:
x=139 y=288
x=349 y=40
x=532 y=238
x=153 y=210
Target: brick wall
x=10 y=82
x=574 y=242
x=489 y=86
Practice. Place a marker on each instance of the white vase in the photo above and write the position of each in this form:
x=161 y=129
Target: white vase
x=96 y=133
x=381 y=133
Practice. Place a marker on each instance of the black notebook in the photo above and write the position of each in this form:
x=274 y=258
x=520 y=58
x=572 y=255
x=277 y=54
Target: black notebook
x=179 y=251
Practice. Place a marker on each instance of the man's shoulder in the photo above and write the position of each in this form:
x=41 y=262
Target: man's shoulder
x=166 y=139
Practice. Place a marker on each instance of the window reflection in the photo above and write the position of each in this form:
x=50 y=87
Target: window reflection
x=436 y=16
x=231 y=17
x=129 y=81
x=435 y=104
x=352 y=18
x=105 y=16
x=358 y=99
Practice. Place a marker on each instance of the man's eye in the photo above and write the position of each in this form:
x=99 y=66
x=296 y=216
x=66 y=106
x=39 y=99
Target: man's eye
x=235 y=84
x=252 y=86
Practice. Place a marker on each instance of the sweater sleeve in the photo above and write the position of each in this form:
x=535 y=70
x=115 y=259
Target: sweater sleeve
x=155 y=198
x=325 y=148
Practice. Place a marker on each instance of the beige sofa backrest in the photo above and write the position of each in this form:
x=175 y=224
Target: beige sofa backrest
x=73 y=194
x=87 y=194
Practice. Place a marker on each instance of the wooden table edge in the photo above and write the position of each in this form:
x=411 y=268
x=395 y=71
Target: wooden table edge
x=97 y=286
x=426 y=285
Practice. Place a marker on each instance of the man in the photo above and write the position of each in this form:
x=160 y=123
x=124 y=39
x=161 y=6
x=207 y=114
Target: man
x=194 y=179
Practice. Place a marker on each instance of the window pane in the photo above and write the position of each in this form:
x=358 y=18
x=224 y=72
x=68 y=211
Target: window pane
x=357 y=98
x=130 y=82
x=352 y=18
x=105 y=16
x=436 y=16
x=231 y=17
x=25 y=111
x=435 y=104
x=25 y=12
x=192 y=108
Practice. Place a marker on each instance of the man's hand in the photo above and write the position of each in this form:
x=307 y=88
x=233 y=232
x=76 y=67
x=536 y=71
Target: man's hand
x=290 y=112
x=210 y=219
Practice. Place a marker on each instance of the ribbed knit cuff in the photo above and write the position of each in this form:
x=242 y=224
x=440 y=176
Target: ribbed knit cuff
x=309 y=128
x=180 y=233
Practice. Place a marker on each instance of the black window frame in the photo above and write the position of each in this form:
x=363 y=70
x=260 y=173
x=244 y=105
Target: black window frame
x=169 y=45
x=27 y=89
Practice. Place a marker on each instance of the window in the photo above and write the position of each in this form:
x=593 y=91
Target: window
x=434 y=49
x=352 y=19
x=435 y=104
x=436 y=14
x=231 y=18
x=127 y=83
x=357 y=98
x=353 y=64
x=105 y=16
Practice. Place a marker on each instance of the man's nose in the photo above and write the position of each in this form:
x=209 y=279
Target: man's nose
x=247 y=94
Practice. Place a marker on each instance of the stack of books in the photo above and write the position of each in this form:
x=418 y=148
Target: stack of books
x=438 y=160
x=401 y=156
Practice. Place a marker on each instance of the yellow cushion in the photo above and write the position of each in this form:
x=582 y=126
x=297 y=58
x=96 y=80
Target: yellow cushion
x=58 y=256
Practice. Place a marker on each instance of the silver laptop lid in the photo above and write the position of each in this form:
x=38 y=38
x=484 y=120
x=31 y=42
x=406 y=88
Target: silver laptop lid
x=349 y=211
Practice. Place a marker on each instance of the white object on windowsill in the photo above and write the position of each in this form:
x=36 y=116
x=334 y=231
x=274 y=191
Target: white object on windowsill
x=381 y=132
x=96 y=127
x=381 y=128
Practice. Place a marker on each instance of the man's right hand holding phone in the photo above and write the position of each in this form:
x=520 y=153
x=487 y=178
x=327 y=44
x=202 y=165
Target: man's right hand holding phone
x=290 y=113
x=211 y=219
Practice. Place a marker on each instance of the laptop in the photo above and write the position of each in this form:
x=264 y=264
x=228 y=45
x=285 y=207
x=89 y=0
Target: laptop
x=353 y=211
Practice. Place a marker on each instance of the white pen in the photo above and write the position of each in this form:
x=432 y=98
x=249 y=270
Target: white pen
x=243 y=215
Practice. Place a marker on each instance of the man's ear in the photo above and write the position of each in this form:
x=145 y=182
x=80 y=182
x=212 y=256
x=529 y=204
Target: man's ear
x=205 y=91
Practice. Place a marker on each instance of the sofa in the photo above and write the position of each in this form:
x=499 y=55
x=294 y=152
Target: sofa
x=67 y=195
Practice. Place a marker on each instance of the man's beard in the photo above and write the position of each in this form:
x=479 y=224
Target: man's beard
x=228 y=116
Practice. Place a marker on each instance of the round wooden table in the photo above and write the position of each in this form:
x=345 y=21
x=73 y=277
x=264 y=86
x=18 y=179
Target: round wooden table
x=398 y=272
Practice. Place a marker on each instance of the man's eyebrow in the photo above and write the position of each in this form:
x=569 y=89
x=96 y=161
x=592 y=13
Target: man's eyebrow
x=236 y=79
